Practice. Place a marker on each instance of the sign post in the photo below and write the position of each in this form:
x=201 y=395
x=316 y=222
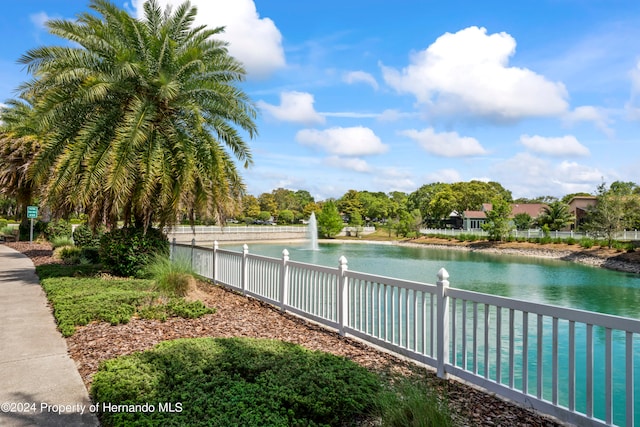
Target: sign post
x=32 y=213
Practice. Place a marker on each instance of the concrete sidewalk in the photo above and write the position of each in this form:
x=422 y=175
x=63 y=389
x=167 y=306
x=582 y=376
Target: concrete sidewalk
x=39 y=382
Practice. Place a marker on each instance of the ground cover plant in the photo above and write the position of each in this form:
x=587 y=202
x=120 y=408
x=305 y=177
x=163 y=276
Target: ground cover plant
x=236 y=381
x=79 y=298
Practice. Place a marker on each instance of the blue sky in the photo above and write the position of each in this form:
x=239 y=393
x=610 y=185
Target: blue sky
x=542 y=96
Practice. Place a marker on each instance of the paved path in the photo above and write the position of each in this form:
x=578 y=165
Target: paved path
x=37 y=376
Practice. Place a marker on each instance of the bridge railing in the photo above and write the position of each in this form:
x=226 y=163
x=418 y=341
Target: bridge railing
x=581 y=367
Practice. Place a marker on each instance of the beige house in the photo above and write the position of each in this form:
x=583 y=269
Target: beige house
x=473 y=220
x=579 y=206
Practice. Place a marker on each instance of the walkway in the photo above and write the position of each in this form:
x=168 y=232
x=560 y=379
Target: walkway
x=39 y=382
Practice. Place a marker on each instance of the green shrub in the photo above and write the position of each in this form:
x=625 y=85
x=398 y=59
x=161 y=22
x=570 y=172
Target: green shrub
x=126 y=251
x=56 y=229
x=91 y=254
x=236 y=381
x=68 y=254
x=57 y=242
x=172 y=277
x=84 y=236
x=587 y=242
x=3 y=223
x=571 y=241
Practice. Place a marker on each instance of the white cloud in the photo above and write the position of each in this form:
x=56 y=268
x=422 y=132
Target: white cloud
x=352 y=141
x=351 y=163
x=294 y=107
x=468 y=73
x=445 y=144
x=40 y=19
x=444 y=175
x=531 y=176
x=588 y=113
x=360 y=77
x=633 y=110
x=253 y=40
x=566 y=145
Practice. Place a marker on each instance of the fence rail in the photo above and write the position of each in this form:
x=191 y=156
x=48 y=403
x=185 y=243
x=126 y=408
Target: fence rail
x=209 y=229
x=579 y=366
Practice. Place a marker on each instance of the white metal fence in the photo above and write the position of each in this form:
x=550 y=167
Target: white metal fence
x=208 y=229
x=579 y=366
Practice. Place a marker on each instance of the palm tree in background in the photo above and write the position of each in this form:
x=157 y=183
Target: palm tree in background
x=143 y=118
x=556 y=216
x=19 y=145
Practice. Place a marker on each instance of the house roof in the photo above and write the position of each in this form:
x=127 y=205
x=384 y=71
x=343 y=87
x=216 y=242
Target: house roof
x=533 y=209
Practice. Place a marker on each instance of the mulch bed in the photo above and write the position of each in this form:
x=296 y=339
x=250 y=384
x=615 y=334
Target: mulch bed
x=239 y=316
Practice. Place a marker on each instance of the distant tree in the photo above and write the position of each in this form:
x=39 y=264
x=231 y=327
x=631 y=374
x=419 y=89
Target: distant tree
x=329 y=220
x=302 y=198
x=539 y=199
x=309 y=208
x=250 y=206
x=608 y=216
x=285 y=216
x=264 y=216
x=522 y=221
x=268 y=203
x=409 y=223
x=622 y=188
x=498 y=224
x=19 y=145
x=556 y=216
x=350 y=203
x=442 y=205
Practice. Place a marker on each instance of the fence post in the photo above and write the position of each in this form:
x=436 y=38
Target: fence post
x=193 y=244
x=214 y=262
x=284 y=280
x=172 y=250
x=443 y=322
x=342 y=294
x=243 y=279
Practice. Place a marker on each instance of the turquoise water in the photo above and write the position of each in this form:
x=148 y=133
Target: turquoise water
x=545 y=281
x=537 y=280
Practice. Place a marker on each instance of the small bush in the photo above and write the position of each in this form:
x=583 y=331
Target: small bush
x=172 y=278
x=587 y=242
x=84 y=236
x=56 y=229
x=57 y=242
x=126 y=251
x=571 y=241
x=236 y=381
x=413 y=404
x=91 y=254
x=68 y=254
x=3 y=223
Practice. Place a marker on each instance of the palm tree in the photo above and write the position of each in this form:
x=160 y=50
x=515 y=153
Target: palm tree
x=19 y=145
x=556 y=216
x=143 y=117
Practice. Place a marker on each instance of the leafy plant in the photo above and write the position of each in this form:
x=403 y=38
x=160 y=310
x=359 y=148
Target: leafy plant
x=68 y=254
x=411 y=404
x=59 y=241
x=587 y=242
x=172 y=277
x=84 y=236
x=236 y=381
x=126 y=251
x=56 y=229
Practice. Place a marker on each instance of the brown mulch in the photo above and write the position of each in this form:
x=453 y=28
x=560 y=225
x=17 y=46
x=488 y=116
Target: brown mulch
x=238 y=316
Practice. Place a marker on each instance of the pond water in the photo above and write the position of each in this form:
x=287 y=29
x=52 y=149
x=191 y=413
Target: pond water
x=539 y=280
